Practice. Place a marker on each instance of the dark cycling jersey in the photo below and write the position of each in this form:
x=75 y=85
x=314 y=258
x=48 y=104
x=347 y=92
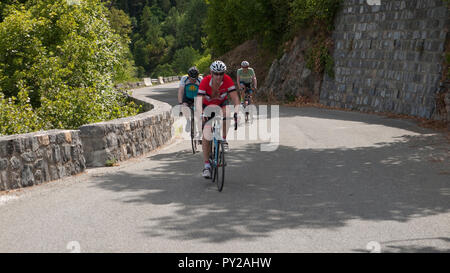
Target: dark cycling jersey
x=190 y=89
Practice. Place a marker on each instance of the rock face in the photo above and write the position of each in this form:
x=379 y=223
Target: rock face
x=289 y=78
x=388 y=57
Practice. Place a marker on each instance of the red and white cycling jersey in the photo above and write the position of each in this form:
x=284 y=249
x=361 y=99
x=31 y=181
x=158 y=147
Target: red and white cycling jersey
x=205 y=90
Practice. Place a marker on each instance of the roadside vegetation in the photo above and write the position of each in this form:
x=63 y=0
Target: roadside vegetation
x=60 y=59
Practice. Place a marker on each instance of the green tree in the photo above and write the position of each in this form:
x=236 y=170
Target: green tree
x=63 y=56
x=120 y=22
x=231 y=22
x=203 y=63
x=47 y=44
x=190 y=29
x=184 y=59
x=150 y=46
x=17 y=115
x=163 y=70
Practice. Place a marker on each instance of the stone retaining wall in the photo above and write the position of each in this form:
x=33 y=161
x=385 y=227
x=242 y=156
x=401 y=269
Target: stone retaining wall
x=388 y=58
x=34 y=158
x=121 y=139
x=134 y=85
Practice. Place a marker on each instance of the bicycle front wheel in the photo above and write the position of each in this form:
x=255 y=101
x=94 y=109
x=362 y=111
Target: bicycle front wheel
x=193 y=141
x=220 y=169
x=212 y=162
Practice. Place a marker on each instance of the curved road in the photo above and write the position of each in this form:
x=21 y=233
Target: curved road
x=337 y=182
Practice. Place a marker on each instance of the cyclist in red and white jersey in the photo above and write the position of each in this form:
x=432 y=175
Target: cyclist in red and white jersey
x=214 y=90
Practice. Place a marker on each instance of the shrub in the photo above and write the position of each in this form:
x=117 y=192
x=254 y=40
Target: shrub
x=72 y=107
x=184 y=59
x=203 y=64
x=314 y=12
x=17 y=116
x=57 y=65
x=319 y=59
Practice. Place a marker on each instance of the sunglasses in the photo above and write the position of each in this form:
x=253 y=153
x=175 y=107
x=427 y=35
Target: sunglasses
x=218 y=74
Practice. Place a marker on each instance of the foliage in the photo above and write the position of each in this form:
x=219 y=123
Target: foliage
x=49 y=44
x=125 y=70
x=149 y=43
x=164 y=70
x=231 y=22
x=163 y=29
x=314 y=12
x=272 y=22
x=317 y=15
x=189 y=31
x=57 y=65
x=72 y=107
x=319 y=59
x=184 y=59
x=203 y=63
x=17 y=115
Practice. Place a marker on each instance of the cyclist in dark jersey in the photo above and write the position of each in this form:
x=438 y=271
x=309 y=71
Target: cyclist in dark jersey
x=188 y=87
x=187 y=91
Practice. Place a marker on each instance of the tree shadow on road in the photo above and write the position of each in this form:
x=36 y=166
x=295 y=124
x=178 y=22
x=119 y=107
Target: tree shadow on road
x=311 y=188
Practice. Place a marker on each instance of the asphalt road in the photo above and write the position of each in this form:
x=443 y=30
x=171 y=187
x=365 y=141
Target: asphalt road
x=338 y=182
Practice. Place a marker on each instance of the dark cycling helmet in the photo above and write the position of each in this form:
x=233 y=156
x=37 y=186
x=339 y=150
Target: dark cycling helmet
x=193 y=72
x=218 y=67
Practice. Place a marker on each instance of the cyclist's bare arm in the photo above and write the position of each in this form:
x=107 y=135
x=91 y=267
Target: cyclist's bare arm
x=198 y=101
x=235 y=99
x=238 y=81
x=180 y=94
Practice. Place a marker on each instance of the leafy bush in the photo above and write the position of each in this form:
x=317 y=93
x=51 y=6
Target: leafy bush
x=47 y=44
x=319 y=59
x=184 y=59
x=231 y=22
x=164 y=70
x=203 y=64
x=314 y=12
x=57 y=65
x=72 y=107
x=17 y=115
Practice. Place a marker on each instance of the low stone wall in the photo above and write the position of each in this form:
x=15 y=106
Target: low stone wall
x=34 y=158
x=134 y=85
x=121 y=139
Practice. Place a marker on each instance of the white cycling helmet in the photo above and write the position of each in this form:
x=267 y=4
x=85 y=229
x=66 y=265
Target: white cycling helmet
x=245 y=64
x=218 y=67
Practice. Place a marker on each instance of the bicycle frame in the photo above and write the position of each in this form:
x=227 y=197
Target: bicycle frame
x=216 y=129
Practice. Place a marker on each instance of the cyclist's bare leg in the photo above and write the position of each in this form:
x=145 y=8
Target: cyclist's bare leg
x=226 y=122
x=242 y=92
x=206 y=142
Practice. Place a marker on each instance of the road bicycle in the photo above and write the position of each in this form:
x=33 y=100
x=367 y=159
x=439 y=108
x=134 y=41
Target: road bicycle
x=247 y=101
x=217 y=153
x=194 y=142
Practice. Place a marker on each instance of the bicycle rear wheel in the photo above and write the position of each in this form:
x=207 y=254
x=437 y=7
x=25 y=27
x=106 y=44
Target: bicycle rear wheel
x=220 y=168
